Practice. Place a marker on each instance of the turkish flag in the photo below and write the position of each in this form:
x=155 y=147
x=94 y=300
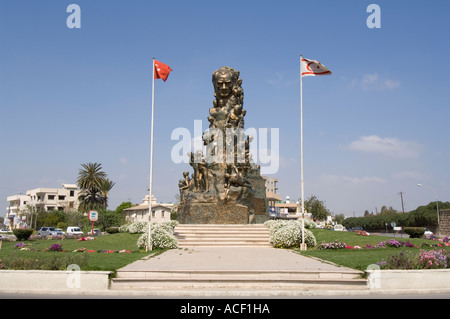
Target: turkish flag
x=162 y=70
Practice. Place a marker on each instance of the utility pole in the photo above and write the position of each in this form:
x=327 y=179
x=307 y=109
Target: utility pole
x=401 y=196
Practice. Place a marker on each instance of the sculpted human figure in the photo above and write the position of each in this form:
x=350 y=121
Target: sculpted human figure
x=227 y=110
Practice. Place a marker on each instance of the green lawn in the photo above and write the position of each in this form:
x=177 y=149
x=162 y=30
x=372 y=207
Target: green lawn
x=87 y=260
x=38 y=259
x=359 y=258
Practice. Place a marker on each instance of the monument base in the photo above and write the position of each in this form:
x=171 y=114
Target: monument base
x=213 y=213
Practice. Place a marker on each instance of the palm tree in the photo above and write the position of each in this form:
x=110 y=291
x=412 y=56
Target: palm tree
x=89 y=180
x=90 y=175
x=90 y=199
x=105 y=187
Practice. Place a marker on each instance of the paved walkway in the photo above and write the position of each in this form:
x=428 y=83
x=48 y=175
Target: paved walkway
x=231 y=258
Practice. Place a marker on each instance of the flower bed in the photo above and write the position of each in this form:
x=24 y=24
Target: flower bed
x=425 y=259
x=59 y=248
x=383 y=244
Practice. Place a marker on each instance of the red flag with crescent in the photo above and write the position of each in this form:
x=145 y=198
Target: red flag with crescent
x=313 y=68
x=162 y=70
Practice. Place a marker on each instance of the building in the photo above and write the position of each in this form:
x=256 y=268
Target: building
x=46 y=199
x=271 y=191
x=139 y=213
x=62 y=199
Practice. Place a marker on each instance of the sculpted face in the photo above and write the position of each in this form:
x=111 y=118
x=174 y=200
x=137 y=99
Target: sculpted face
x=224 y=85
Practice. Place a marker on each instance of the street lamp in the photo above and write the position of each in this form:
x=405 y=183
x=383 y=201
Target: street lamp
x=437 y=206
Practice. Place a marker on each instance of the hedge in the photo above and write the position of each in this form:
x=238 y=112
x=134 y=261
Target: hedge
x=22 y=234
x=414 y=232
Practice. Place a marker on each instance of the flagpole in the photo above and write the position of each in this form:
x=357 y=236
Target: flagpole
x=303 y=246
x=149 y=246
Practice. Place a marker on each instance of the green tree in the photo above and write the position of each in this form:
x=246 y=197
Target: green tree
x=109 y=218
x=317 y=208
x=122 y=206
x=105 y=187
x=90 y=180
x=339 y=218
x=90 y=176
x=385 y=211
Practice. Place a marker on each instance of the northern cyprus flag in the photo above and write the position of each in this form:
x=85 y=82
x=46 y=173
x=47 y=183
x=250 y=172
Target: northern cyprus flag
x=313 y=68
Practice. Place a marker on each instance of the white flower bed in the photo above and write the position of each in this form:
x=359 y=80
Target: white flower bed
x=162 y=233
x=288 y=233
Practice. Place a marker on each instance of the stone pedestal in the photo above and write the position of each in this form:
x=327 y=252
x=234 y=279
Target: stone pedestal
x=214 y=213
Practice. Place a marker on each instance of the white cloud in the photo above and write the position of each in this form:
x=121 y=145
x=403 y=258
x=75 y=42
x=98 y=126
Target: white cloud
x=277 y=78
x=372 y=81
x=389 y=146
x=415 y=175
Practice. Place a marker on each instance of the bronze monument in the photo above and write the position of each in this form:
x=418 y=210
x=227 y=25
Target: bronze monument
x=226 y=186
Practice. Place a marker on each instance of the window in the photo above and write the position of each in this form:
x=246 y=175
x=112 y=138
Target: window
x=72 y=193
x=61 y=197
x=153 y=213
x=51 y=197
x=163 y=213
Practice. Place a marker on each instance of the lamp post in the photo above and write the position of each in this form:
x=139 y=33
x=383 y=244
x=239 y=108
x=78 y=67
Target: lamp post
x=437 y=205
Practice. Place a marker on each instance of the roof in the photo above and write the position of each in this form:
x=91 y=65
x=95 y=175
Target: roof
x=145 y=206
x=273 y=196
x=286 y=205
x=70 y=186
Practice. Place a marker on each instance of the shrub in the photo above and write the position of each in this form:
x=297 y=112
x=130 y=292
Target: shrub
x=112 y=230
x=162 y=235
x=22 y=234
x=414 y=232
x=286 y=234
x=137 y=228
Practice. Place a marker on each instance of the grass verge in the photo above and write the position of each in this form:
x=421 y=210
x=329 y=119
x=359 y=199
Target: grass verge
x=360 y=259
x=36 y=256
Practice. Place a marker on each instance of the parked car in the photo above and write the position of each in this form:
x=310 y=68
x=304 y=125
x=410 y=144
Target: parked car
x=50 y=231
x=60 y=230
x=5 y=230
x=74 y=231
x=97 y=232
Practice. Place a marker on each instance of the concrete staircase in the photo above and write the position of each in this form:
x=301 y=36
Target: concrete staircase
x=232 y=260
x=237 y=282
x=229 y=235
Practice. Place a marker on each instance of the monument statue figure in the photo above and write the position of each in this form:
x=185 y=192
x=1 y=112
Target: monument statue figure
x=226 y=186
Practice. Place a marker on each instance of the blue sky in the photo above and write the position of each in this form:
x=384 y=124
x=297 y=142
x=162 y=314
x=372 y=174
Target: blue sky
x=376 y=127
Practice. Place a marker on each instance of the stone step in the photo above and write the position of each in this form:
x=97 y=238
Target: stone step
x=235 y=235
x=237 y=280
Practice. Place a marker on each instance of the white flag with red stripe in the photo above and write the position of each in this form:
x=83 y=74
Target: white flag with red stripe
x=313 y=68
